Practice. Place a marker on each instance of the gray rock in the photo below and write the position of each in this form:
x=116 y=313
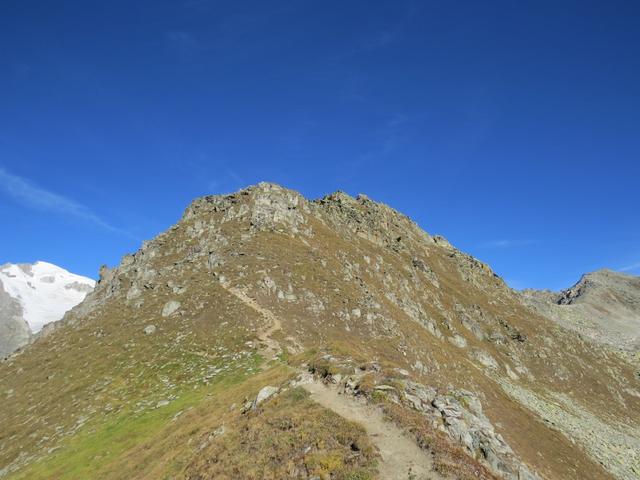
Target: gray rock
x=458 y=340
x=485 y=359
x=134 y=292
x=170 y=308
x=265 y=393
x=422 y=392
x=149 y=329
x=383 y=388
x=414 y=401
x=275 y=206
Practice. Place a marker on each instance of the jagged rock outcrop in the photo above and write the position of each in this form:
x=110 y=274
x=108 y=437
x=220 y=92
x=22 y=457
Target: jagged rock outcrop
x=458 y=413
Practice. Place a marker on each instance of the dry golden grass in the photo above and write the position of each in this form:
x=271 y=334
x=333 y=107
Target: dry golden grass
x=288 y=437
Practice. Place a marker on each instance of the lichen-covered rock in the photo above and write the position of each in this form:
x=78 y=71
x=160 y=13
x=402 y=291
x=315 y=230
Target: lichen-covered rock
x=265 y=393
x=275 y=206
x=170 y=308
x=458 y=412
x=149 y=330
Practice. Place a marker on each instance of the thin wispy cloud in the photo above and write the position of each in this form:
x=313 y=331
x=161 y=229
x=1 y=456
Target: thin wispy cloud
x=397 y=120
x=236 y=178
x=630 y=268
x=392 y=134
x=229 y=181
x=503 y=243
x=386 y=139
x=34 y=197
x=380 y=40
x=198 y=5
x=368 y=44
x=183 y=43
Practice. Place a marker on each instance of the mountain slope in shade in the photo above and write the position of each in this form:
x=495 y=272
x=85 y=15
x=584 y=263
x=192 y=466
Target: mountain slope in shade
x=33 y=295
x=230 y=345
x=603 y=305
x=14 y=330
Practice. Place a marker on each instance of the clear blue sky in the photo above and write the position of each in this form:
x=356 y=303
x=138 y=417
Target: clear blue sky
x=511 y=128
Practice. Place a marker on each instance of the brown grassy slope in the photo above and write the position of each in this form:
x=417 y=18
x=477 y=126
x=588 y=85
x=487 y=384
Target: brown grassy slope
x=347 y=275
x=551 y=358
x=290 y=438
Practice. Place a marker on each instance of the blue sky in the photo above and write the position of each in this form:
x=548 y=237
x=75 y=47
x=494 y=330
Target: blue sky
x=511 y=128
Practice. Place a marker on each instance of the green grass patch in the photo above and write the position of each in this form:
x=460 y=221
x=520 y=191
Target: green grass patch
x=101 y=442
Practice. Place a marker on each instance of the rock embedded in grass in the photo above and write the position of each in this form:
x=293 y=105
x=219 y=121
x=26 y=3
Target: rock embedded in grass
x=170 y=308
x=149 y=330
x=265 y=393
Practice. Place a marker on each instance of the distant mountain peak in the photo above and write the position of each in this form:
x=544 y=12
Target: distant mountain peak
x=599 y=282
x=604 y=305
x=33 y=295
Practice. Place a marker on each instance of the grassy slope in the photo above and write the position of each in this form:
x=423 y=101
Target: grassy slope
x=180 y=439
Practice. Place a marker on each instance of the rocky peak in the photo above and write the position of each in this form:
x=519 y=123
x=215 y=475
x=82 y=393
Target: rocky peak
x=602 y=282
x=268 y=205
x=212 y=224
x=264 y=206
x=603 y=305
x=368 y=219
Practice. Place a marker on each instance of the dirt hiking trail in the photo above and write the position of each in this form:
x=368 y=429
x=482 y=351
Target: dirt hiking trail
x=401 y=457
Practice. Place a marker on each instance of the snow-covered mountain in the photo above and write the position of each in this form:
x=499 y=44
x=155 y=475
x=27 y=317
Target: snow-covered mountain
x=32 y=295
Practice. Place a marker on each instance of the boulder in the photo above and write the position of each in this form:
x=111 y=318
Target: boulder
x=149 y=329
x=170 y=308
x=265 y=393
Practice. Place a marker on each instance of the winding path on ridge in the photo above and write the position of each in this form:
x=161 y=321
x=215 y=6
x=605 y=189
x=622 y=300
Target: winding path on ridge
x=401 y=458
x=274 y=324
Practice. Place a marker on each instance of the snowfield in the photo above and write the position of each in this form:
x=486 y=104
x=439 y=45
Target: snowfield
x=45 y=291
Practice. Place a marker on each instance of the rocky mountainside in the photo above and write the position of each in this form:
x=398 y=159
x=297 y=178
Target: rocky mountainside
x=33 y=295
x=269 y=336
x=14 y=329
x=603 y=305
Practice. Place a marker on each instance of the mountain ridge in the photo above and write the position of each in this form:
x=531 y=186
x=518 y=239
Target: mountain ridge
x=604 y=305
x=366 y=302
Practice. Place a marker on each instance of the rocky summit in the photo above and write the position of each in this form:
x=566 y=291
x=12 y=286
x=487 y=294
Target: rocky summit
x=265 y=335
